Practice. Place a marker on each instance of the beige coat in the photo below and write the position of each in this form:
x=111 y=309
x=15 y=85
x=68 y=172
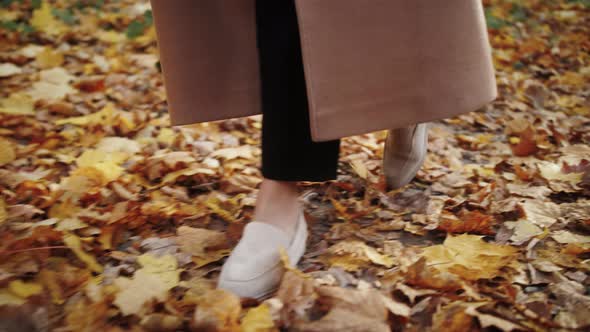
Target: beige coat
x=369 y=64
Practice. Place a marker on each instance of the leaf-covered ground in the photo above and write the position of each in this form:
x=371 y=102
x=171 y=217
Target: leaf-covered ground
x=111 y=220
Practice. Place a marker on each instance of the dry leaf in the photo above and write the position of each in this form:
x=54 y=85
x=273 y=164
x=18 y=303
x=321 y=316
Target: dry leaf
x=7 y=153
x=470 y=257
x=153 y=281
x=49 y=58
x=569 y=237
x=43 y=20
x=17 y=104
x=3 y=211
x=102 y=117
x=9 y=69
x=74 y=243
x=217 y=310
x=195 y=241
x=258 y=320
x=24 y=289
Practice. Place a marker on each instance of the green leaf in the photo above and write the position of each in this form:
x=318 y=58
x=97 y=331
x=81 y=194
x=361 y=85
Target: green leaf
x=518 y=13
x=16 y=26
x=9 y=25
x=493 y=21
x=134 y=30
x=585 y=3
x=66 y=15
x=6 y=3
x=36 y=4
x=518 y=65
x=137 y=27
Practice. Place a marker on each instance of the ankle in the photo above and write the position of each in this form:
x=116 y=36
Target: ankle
x=278 y=204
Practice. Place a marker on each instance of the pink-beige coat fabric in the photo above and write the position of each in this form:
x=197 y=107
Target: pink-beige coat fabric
x=369 y=64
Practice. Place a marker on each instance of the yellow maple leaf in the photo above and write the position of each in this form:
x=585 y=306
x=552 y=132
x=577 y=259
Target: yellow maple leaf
x=43 y=20
x=18 y=104
x=166 y=136
x=153 y=281
x=24 y=289
x=9 y=299
x=7 y=153
x=470 y=257
x=49 y=279
x=75 y=244
x=102 y=117
x=3 y=212
x=243 y=151
x=83 y=180
x=352 y=255
x=258 y=319
x=105 y=162
x=110 y=36
x=49 y=58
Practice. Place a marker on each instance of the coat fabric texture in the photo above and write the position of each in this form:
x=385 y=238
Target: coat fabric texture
x=369 y=65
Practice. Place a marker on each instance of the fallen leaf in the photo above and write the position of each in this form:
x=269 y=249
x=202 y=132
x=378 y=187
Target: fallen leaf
x=17 y=104
x=574 y=309
x=158 y=322
x=352 y=255
x=524 y=230
x=43 y=20
x=53 y=85
x=540 y=213
x=74 y=243
x=452 y=318
x=469 y=222
x=24 y=289
x=470 y=257
x=195 y=241
x=569 y=237
x=217 y=310
x=7 y=153
x=243 y=151
x=9 y=69
x=553 y=172
x=3 y=212
x=105 y=162
x=104 y=116
x=258 y=319
x=49 y=58
x=153 y=281
x=110 y=36
x=9 y=299
x=486 y=320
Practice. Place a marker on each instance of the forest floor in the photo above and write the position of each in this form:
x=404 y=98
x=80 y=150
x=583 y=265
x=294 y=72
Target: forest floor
x=111 y=220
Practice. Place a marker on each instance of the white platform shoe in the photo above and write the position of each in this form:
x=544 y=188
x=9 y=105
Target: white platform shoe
x=254 y=268
x=404 y=153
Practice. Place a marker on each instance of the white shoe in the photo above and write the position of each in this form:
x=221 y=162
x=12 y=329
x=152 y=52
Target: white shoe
x=404 y=153
x=254 y=268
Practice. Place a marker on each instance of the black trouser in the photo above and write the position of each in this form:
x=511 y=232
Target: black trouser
x=288 y=153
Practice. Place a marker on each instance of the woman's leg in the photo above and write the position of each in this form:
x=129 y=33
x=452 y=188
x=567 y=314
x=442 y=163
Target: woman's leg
x=288 y=153
x=288 y=156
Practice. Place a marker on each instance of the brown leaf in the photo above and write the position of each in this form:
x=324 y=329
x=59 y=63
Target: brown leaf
x=195 y=241
x=217 y=310
x=525 y=144
x=469 y=222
